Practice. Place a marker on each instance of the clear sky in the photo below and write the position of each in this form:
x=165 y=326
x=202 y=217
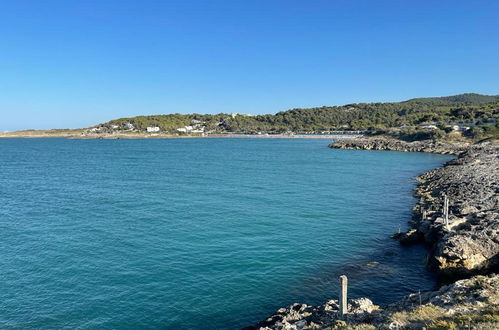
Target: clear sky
x=77 y=63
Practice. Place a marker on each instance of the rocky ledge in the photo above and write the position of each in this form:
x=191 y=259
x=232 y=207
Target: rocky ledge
x=468 y=242
x=398 y=145
x=467 y=304
x=463 y=244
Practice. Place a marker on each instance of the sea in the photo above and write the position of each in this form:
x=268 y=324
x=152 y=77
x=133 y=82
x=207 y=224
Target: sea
x=200 y=233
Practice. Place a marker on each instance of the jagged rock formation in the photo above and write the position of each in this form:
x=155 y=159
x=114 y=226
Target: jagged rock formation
x=303 y=316
x=467 y=304
x=398 y=145
x=469 y=244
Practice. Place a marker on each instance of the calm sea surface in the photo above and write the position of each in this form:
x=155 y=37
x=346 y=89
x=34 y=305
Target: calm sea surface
x=198 y=233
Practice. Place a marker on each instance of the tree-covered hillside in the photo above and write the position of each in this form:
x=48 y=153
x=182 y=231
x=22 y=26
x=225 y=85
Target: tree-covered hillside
x=466 y=109
x=457 y=100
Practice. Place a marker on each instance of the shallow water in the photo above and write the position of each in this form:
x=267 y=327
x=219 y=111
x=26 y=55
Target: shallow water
x=198 y=233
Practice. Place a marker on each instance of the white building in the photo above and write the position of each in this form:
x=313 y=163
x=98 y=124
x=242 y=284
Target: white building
x=152 y=129
x=428 y=126
x=191 y=129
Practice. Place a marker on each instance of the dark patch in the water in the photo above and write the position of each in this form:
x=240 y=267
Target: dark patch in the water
x=377 y=276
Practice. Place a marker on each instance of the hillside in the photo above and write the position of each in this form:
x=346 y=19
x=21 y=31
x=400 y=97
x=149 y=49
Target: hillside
x=458 y=100
x=475 y=113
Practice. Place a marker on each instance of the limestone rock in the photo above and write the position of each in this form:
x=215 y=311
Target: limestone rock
x=469 y=244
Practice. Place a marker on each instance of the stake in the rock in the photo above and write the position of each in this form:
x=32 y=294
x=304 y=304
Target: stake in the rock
x=343 y=295
x=446 y=211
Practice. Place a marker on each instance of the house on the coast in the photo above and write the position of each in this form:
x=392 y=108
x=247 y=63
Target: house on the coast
x=128 y=126
x=197 y=128
x=152 y=129
x=428 y=126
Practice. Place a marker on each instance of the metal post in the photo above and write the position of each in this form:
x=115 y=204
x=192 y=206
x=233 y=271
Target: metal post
x=446 y=211
x=443 y=207
x=343 y=295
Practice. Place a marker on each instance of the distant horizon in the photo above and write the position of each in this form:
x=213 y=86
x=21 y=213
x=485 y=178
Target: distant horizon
x=77 y=63
x=243 y=113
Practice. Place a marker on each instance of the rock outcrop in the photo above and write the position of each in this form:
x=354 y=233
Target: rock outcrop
x=469 y=304
x=398 y=145
x=466 y=304
x=302 y=316
x=469 y=243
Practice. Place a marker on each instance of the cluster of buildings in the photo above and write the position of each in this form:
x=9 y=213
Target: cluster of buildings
x=455 y=128
x=196 y=126
x=112 y=128
x=235 y=114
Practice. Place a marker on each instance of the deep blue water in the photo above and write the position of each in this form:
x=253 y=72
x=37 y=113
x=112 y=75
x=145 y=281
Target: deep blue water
x=198 y=233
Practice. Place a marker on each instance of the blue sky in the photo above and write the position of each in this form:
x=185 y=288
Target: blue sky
x=77 y=63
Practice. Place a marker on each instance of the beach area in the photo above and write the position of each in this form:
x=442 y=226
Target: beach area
x=84 y=134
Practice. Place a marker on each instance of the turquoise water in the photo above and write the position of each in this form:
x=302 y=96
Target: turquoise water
x=198 y=233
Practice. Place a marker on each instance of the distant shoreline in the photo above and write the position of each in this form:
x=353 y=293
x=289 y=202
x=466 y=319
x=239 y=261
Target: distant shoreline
x=82 y=135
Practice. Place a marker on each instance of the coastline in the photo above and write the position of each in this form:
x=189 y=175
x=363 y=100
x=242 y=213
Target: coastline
x=466 y=245
x=83 y=135
x=461 y=251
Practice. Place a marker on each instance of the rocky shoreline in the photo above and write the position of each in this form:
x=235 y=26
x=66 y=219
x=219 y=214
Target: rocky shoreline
x=468 y=243
x=466 y=304
x=464 y=246
x=398 y=145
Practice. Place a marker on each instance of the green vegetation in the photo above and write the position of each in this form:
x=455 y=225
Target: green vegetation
x=475 y=305
x=424 y=314
x=479 y=113
x=435 y=318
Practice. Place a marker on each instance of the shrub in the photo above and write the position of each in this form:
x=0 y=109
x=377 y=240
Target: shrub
x=442 y=325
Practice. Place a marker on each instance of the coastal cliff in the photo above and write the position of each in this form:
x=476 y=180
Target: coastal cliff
x=462 y=246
